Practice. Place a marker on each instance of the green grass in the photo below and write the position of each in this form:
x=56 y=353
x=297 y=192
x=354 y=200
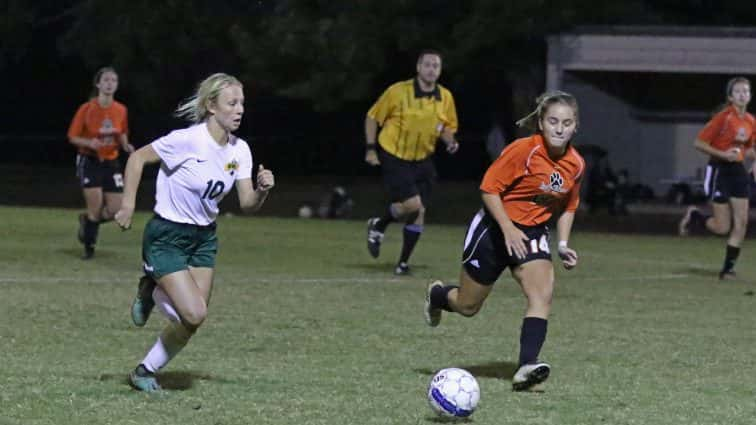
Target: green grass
x=305 y=328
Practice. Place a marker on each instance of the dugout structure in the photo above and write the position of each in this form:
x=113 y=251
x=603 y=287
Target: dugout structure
x=645 y=92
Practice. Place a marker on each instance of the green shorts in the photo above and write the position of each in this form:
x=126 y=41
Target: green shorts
x=168 y=247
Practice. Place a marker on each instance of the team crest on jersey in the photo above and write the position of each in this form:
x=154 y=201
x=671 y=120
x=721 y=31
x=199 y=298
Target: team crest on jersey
x=555 y=183
x=741 y=136
x=232 y=166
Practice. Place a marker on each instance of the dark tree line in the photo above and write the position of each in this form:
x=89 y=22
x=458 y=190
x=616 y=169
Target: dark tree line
x=328 y=58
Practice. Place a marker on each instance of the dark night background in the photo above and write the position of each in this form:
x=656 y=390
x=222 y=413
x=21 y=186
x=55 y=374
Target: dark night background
x=311 y=68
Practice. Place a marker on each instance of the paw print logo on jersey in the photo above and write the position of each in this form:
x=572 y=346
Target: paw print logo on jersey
x=106 y=131
x=556 y=181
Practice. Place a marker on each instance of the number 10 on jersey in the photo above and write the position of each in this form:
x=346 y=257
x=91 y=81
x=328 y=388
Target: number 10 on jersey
x=213 y=189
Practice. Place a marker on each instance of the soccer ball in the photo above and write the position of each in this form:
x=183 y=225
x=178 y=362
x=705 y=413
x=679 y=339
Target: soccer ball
x=305 y=211
x=454 y=393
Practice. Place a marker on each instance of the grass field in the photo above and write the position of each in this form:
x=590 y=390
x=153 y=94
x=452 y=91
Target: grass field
x=305 y=328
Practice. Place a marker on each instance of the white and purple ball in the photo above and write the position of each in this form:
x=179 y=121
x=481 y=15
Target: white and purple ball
x=454 y=393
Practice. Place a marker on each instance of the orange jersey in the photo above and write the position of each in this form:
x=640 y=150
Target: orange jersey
x=106 y=124
x=729 y=130
x=531 y=185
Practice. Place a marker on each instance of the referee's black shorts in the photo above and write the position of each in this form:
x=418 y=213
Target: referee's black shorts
x=404 y=179
x=485 y=253
x=725 y=180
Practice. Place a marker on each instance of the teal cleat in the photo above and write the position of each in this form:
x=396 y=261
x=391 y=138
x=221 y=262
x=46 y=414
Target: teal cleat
x=143 y=303
x=143 y=380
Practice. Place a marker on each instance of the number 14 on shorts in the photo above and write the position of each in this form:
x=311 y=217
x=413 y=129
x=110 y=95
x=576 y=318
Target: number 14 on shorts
x=541 y=244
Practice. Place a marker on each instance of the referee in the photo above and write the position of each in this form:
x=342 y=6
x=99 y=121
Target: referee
x=413 y=115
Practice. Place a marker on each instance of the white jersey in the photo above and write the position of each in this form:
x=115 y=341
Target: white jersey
x=196 y=173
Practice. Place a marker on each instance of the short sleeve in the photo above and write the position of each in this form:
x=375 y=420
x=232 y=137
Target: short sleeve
x=245 y=161
x=573 y=201
x=125 y=121
x=452 y=123
x=713 y=128
x=173 y=148
x=76 y=129
x=383 y=107
x=507 y=168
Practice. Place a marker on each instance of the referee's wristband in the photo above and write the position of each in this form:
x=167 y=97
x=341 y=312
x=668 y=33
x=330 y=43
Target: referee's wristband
x=370 y=146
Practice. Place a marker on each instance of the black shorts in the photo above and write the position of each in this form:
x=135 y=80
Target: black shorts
x=95 y=173
x=725 y=180
x=404 y=179
x=485 y=254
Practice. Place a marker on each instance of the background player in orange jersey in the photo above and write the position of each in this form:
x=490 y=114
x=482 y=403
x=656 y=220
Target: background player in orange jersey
x=728 y=139
x=533 y=178
x=99 y=129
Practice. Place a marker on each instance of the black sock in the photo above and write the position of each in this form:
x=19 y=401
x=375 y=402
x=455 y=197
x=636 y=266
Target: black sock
x=731 y=256
x=412 y=234
x=439 y=296
x=383 y=222
x=91 y=229
x=532 y=336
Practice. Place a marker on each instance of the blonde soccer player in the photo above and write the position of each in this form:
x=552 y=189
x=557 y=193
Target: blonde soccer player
x=198 y=167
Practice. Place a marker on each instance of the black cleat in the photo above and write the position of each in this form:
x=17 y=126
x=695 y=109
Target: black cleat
x=530 y=375
x=432 y=313
x=88 y=252
x=374 y=238
x=728 y=275
x=82 y=225
x=402 y=269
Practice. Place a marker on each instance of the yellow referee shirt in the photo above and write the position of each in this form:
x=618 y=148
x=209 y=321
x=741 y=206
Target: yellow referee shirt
x=412 y=120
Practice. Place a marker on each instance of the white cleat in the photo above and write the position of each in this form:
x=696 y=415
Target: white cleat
x=530 y=375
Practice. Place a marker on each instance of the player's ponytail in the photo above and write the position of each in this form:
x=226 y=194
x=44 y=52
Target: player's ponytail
x=542 y=105
x=194 y=109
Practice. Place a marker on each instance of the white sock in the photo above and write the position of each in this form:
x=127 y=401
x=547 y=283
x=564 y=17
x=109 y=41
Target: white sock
x=157 y=357
x=165 y=305
x=173 y=338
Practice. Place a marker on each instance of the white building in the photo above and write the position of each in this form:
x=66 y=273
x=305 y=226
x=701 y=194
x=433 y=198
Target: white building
x=645 y=92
